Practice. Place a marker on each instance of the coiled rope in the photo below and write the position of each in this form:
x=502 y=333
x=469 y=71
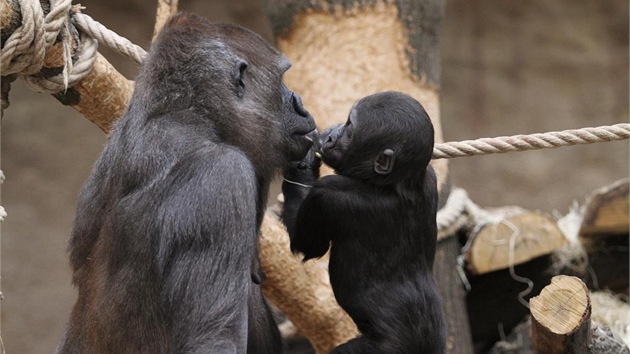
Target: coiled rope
x=24 y=51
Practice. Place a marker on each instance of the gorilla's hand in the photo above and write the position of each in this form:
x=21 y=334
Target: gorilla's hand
x=305 y=171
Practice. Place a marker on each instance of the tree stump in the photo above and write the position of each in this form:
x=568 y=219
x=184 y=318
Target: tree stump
x=561 y=317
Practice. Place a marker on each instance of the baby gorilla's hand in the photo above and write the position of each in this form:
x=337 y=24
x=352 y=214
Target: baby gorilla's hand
x=305 y=171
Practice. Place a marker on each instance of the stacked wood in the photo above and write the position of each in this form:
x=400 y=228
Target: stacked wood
x=507 y=255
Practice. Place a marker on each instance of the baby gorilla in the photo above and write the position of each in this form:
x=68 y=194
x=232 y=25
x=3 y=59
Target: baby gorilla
x=379 y=215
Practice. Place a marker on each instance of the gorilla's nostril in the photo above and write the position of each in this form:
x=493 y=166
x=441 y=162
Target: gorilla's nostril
x=298 y=106
x=329 y=140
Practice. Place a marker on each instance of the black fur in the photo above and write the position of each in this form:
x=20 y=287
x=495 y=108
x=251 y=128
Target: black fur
x=164 y=244
x=378 y=217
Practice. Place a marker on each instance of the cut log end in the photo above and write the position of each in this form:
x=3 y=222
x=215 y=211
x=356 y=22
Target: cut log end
x=518 y=237
x=563 y=305
x=607 y=211
x=561 y=317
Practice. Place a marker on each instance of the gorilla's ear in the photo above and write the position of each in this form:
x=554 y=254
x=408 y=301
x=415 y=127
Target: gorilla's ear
x=384 y=162
x=238 y=75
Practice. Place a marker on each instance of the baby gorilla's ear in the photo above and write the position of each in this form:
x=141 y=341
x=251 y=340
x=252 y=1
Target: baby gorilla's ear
x=384 y=162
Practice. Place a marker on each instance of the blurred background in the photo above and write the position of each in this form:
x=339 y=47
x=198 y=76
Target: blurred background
x=508 y=67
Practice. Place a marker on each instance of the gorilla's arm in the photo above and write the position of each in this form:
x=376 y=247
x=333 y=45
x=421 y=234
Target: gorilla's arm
x=200 y=278
x=335 y=206
x=299 y=178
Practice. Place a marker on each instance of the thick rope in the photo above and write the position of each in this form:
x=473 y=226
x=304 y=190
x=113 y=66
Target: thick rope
x=25 y=50
x=486 y=146
x=109 y=38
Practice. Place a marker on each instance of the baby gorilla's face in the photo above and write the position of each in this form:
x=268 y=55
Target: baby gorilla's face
x=336 y=140
x=382 y=130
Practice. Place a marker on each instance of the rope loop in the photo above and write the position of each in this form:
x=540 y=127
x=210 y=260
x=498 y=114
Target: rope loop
x=24 y=52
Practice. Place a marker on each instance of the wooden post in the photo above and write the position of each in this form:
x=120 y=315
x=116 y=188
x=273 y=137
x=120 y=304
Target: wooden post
x=343 y=50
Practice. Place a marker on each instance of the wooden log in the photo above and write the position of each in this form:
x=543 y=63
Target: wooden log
x=561 y=317
x=604 y=233
x=599 y=248
x=603 y=341
x=453 y=295
x=607 y=212
x=511 y=236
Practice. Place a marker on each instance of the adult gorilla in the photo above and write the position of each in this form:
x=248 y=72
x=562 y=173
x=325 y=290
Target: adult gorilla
x=164 y=243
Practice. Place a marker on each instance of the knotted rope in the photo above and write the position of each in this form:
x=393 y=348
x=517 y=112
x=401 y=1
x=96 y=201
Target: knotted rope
x=25 y=50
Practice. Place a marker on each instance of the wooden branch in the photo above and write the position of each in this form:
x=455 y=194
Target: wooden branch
x=101 y=96
x=512 y=232
x=302 y=290
x=165 y=9
x=561 y=317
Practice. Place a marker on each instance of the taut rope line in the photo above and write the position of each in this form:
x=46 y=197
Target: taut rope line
x=503 y=144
